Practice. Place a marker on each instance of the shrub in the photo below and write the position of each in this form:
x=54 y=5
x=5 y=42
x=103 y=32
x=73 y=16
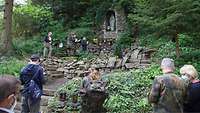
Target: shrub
x=11 y=66
x=128 y=90
x=124 y=41
x=30 y=19
x=70 y=88
x=24 y=46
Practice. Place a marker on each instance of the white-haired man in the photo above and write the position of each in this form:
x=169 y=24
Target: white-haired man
x=168 y=90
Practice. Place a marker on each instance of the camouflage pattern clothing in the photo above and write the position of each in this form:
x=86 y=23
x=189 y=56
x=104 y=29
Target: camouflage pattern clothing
x=167 y=94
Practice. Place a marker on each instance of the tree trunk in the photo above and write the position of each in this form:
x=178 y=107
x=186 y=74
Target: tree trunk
x=177 y=45
x=6 y=39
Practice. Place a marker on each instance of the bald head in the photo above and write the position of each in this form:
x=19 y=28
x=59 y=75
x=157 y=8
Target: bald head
x=8 y=85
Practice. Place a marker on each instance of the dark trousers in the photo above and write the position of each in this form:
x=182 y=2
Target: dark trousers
x=29 y=107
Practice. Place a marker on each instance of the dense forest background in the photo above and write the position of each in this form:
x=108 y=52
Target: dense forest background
x=172 y=27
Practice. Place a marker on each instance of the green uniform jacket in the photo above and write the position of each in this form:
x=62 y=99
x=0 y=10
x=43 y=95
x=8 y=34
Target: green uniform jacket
x=167 y=94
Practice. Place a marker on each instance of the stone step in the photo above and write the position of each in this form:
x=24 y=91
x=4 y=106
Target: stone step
x=145 y=65
x=55 y=76
x=44 y=100
x=51 y=66
x=51 y=69
x=54 y=72
x=49 y=92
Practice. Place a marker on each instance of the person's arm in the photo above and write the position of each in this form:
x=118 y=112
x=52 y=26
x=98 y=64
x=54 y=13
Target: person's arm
x=154 y=94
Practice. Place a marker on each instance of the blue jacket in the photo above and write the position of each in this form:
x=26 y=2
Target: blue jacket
x=27 y=74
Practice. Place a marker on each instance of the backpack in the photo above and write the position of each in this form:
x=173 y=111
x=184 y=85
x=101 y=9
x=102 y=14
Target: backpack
x=32 y=90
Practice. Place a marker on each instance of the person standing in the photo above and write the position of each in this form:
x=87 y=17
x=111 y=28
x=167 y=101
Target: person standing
x=168 y=91
x=84 y=44
x=9 y=89
x=32 y=71
x=192 y=104
x=48 y=45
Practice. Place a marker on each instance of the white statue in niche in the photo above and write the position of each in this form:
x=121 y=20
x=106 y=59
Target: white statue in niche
x=112 y=22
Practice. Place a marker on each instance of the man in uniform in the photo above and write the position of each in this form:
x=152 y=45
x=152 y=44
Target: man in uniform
x=168 y=90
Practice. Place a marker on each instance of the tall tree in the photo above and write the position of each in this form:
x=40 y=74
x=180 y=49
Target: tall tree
x=170 y=17
x=6 y=38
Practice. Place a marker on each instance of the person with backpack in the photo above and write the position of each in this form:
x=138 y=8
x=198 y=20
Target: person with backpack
x=32 y=79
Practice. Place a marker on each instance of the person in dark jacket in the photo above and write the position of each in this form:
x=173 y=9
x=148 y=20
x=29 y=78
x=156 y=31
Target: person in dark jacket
x=9 y=89
x=84 y=44
x=192 y=104
x=48 y=45
x=33 y=69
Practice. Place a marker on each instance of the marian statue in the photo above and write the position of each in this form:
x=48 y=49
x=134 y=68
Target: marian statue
x=112 y=22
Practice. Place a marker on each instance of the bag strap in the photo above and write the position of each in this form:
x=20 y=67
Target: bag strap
x=35 y=74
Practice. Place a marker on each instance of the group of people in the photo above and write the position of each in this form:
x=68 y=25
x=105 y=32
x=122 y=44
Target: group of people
x=173 y=94
x=71 y=44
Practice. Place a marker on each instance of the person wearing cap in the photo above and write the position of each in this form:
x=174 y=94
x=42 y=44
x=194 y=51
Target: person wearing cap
x=192 y=104
x=9 y=90
x=48 y=45
x=168 y=91
x=32 y=71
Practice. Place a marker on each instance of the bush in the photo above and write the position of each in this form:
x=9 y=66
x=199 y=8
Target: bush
x=30 y=19
x=71 y=88
x=128 y=90
x=24 y=46
x=124 y=41
x=11 y=66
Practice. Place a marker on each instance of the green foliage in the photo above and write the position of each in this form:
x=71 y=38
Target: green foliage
x=83 y=32
x=128 y=90
x=124 y=41
x=57 y=29
x=31 y=19
x=165 y=48
x=168 y=16
x=71 y=88
x=86 y=56
x=25 y=46
x=11 y=66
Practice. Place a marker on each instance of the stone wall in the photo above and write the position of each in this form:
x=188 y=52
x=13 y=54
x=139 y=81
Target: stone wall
x=133 y=59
